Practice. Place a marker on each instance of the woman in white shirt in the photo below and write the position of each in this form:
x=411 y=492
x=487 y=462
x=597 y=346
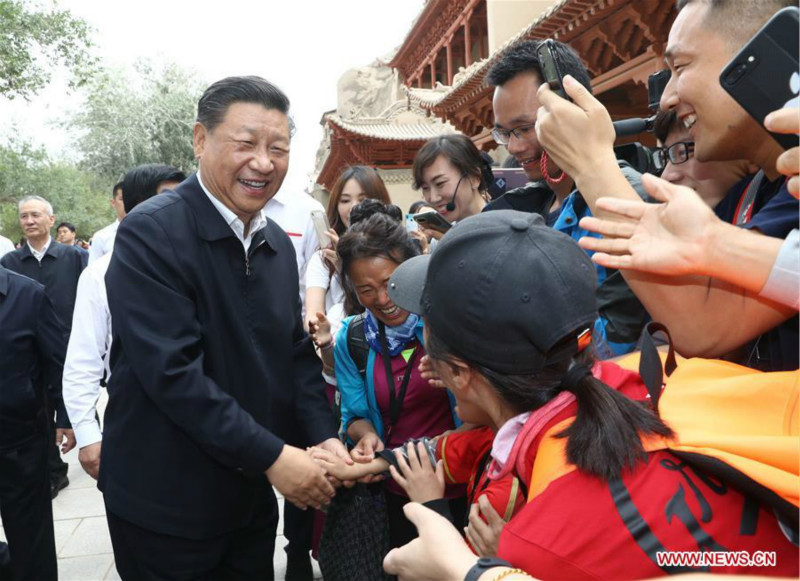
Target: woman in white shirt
x=324 y=292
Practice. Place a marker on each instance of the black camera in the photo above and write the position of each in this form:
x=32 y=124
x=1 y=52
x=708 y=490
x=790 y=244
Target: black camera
x=656 y=83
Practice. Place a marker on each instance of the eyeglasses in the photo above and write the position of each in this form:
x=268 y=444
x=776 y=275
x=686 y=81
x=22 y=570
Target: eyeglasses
x=503 y=136
x=677 y=153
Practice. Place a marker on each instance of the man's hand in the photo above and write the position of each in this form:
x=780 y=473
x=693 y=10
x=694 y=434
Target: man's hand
x=89 y=457
x=669 y=239
x=417 y=477
x=577 y=136
x=484 y=535
x=65 y=438
x=301 y=480
x=787 y=120
x=438 y=553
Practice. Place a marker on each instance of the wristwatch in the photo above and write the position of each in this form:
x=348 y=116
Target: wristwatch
x=482 y=565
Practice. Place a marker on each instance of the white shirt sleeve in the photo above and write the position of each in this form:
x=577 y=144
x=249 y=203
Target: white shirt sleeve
x=86 y=353
x=783 y=284
x=317 y=273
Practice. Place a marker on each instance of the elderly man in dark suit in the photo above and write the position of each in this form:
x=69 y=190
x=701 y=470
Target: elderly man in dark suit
x=58 y=267
x=210 y=367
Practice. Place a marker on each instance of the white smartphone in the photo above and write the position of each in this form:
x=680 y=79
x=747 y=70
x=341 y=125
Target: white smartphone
x=411 y=224
x=322 y=226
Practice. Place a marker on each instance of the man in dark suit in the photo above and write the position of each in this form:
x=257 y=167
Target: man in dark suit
x=32 y=345
x=58 y=267
x=210 y=367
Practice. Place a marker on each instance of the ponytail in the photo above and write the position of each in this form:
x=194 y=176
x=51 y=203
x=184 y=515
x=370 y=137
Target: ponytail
x=605 y=438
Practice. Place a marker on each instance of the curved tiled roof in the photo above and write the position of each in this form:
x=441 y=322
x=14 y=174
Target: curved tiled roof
x=380 y=129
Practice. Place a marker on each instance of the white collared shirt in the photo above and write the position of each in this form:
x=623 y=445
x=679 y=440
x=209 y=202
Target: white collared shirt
x=6 y=246
x=258 y=222
x=292 y=212
x=87 y=352
x=39 y=254
x=103 y=241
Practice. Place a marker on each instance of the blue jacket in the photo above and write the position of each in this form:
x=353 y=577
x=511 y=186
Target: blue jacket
x=358 y=400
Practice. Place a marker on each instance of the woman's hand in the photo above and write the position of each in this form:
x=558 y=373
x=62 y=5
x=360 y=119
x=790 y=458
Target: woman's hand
x=438 y=553
x=423 y=241
x=329 y=253
x=427 y=372
x=430 y=233
x=419 y=479
x=320 y=331
x=484 y=536
x=366 y=448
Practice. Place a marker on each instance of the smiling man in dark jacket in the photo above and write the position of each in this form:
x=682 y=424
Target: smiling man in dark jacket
x=210 y=366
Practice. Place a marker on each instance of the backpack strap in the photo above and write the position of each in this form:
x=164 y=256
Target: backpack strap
x=357 y=345
x=650 y=362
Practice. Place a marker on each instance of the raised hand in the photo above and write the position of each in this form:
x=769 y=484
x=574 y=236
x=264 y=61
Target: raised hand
x=320 y=331
x=427 y=372
x=670 y=238
x=577 y=136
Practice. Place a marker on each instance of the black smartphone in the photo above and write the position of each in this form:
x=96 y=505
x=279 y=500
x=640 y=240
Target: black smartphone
x=552 y=70
x=433 y=220
x=763 y=76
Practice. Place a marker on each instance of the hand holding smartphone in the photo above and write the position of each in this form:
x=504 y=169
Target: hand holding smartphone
x=552 y=69
x=433 y=221
x=321 y=226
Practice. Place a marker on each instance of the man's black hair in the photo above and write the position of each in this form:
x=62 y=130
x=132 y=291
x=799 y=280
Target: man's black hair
x=737 y=20
x=522 y=58
x=218 y=97
x=664 y=122
x=68 y=225
x=117 y=188
x=141 y=182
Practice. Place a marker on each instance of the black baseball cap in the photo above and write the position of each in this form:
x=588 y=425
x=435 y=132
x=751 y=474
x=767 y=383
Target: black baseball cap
x=503 y=290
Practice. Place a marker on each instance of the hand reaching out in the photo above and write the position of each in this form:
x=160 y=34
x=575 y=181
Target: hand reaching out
x=427 y=372
x=438 y=553
x=670 y=238
x=320 y=331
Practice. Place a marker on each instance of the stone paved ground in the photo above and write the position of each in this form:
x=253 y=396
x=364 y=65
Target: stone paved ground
x=82 y=541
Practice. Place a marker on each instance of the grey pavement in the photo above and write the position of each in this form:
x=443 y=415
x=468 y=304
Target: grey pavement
x=82 y=540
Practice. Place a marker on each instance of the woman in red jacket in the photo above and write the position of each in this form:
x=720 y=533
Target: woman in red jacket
x=509 y=306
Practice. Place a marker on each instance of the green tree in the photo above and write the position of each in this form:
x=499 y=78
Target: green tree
x=33 y=42
x=141 y=116
x=77 y=196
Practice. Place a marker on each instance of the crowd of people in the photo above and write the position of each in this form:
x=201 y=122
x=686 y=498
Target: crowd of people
x=479 y=400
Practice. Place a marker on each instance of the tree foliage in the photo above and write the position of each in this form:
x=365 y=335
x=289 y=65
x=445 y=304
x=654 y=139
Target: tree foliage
x=33 y=42
x=131 y=119
x=77 y=196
